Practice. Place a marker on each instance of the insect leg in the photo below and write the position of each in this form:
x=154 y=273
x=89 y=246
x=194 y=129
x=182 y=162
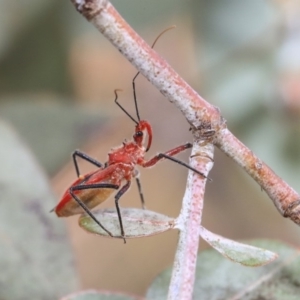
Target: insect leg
x=138 y=182
x=121 y=192
x=169 y=155
x=78 y=153
x=84 y=207
x=163 y=155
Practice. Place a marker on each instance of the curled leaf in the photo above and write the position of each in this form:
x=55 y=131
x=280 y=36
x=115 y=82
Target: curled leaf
x=136 y=222
x=241 y=253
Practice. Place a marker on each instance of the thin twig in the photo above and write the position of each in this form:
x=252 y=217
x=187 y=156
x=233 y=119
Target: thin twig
x=188 y=222
x=283 y=196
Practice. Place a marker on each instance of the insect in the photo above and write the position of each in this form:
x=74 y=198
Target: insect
x=90 y=190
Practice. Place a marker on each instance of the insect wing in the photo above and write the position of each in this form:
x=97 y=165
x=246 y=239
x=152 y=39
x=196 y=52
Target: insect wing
x=91 y=197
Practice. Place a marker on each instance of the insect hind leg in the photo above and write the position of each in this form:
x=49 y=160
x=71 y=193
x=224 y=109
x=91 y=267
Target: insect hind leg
x=121 y=192
x=82 y=204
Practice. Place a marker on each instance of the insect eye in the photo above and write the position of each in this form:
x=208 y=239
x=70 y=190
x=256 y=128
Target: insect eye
x=139 y=133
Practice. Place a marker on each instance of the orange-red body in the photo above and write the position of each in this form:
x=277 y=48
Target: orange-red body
x=91 y=189
x=119 y=167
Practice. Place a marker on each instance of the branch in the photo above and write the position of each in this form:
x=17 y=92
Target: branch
x=286 y=199
x=188 y=223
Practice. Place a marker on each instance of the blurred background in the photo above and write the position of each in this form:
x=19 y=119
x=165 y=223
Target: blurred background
x=57 y=77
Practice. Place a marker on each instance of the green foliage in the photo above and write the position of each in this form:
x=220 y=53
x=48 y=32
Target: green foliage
x=52 y=130
x=36 y=260
x=218 y=279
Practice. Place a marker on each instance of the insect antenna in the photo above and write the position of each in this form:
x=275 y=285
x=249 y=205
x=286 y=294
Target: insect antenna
x=137 y=74
x=123 y=109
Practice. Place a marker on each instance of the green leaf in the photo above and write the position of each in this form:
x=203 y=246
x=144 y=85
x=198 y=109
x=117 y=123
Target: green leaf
x=238 y=252
x=36 y=261
x=136 y=222
x=66 y=127
x=15 y=16
x=219 y=279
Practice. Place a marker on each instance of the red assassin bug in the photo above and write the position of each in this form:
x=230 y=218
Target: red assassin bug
x=89 y=190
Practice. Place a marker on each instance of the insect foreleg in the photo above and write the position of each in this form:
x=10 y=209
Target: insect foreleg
x=181 y=163
x=169 y=155
x=153 y=161
x=121 y=192
x=84 y=207
x=78 y=153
